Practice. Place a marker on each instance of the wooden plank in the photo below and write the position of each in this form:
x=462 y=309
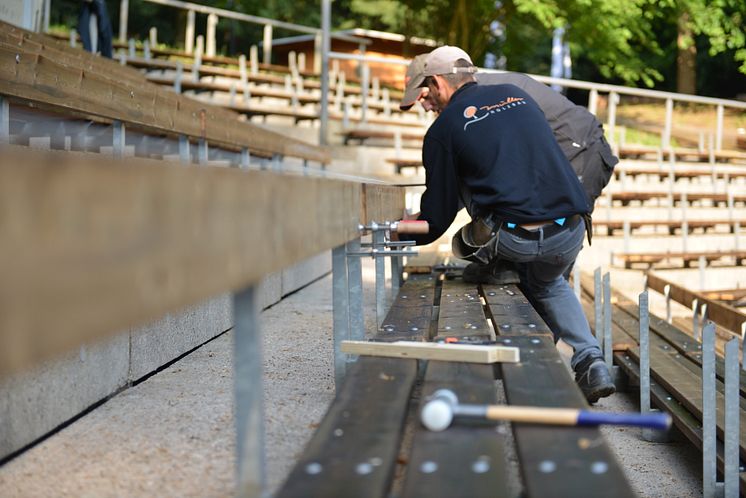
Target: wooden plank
x=689 y=425
x=725 y=315
x=467 y=459
x=561 y=462
x=686 y=387
x=90 y=245
x=382 y=203
x=466 y=353
x=354 y=450
x=461 y=312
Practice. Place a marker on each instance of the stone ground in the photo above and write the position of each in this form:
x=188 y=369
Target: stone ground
x=172 y=434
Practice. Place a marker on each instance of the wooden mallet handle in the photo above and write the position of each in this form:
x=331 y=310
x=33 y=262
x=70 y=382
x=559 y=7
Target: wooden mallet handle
x=413 y=226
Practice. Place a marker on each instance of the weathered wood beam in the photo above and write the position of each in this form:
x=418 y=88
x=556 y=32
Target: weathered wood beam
x=90 y=245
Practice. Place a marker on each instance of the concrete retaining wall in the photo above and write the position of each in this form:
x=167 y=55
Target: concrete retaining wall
x=38 y=400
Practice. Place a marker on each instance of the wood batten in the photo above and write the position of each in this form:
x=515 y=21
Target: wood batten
x=90 y=245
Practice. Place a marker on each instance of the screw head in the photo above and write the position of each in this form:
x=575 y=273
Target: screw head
x=599 y=467
x=428 y=467
x=547 y=466
x=363 y=468
x=314 y=468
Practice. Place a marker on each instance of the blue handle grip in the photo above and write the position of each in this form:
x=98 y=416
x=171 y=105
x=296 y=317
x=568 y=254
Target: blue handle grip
x=659 y=420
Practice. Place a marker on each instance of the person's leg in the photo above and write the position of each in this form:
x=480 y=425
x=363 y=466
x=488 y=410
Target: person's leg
x=556 y=300
x=84 y=29
x=104 y=28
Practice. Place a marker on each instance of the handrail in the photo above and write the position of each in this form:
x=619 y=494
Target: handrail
x=239 y=16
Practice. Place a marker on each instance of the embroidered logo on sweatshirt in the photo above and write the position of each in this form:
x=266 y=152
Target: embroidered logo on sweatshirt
x=474 y=114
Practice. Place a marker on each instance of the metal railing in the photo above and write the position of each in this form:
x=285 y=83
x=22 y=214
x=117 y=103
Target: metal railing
x=213 y=16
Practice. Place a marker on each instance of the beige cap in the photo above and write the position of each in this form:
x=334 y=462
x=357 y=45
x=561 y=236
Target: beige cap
x=413 y=81
x=442 y=60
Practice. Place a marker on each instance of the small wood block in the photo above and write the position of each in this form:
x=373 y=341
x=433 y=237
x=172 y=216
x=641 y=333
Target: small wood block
x=467 y=353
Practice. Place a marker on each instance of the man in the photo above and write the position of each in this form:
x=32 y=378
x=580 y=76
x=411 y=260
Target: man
x=579 y=134
x=492 y=151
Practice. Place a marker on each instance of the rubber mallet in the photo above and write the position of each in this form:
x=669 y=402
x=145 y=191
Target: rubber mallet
x=443 y=406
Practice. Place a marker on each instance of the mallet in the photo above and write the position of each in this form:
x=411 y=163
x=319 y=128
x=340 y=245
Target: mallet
x=443 y=406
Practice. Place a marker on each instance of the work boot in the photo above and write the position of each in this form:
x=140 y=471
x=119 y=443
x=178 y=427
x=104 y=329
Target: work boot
x=500 y=272
x=594 y=379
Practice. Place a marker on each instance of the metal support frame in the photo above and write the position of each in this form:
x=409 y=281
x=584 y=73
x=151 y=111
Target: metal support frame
x=202 y=152
x=576 y=279
x=179 y=76
x=189 y=32
x=355 y=284
x=613 y=100
x=644 y=352
x=667 y=295
x=666 y=138
x=378 y=243
x=326 y=15
x=364 y=90
x=593 y=101
x=245 y=158
x=185 y=155
x=732 y=423
x=719 y=128
x=267 y=44
x=608 y=346
x=212 y=24
x=118 y=138
x=4 y=120
x=248 y=392
x=695 y=319
x=598 y=313
x=341 y=310
x=709 y=419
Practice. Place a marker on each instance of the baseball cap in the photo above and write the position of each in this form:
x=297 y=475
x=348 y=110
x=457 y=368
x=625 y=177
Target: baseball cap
x=442 y=60
x=413 y=81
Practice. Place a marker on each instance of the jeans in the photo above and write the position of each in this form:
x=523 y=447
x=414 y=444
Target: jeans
x=97 y=7
x=541 y=264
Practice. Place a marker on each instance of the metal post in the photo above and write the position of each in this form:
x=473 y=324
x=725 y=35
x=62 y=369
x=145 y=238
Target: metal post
x=202 y=152
x=248 y=392
x=267 y=44
x=667 y=294
x=184 y=149
x=743 y=346
x=245 y=158
x=396 y=275
x=711 y=149
x=73 y=37
x=153 y=35
x=695 y=319
x=732 y=429
x=118 y=138
x=317 y=46
x=719 y=129
x=709 y=406
x=736 y=233
x=613 y=99
x=666 y=138
x=576 y=279
x=326 y=20
x=386 y=102
x=364 y=90
x=340 y=91
x=608 y=346
x=355 y=284
x=123 y=13
x=341 y=306
x=301 y=62
x=212 y=24
x=198 y=58
x=378 y=240
x=131 y=48
x=593 y=101
x=702 y=262
x=4 y=120
x=146 y=50
x=684 y=223
x=627 y=231
x=254 y=59
x=598 y=305
x=178 y=77
x=189 y=36
x=644 y=353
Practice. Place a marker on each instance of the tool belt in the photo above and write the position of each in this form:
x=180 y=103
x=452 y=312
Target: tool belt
x=476 y=241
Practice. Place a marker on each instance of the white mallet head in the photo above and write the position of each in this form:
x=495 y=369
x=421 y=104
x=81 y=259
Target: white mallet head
x=437 y=414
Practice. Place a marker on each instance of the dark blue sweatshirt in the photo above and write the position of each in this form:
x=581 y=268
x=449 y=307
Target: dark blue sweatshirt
x=493 y=143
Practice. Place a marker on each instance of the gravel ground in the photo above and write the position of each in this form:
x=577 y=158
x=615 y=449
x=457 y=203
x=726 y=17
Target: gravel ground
x=172 y=435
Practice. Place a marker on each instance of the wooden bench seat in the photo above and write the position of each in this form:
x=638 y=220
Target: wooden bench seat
x=669 y=225
x=678 y=174
x=353 y=452
x=362 y=135
x=639 y=151
x=687 y=258
x=628 y=197
x=676 y=371
x=400 y=164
